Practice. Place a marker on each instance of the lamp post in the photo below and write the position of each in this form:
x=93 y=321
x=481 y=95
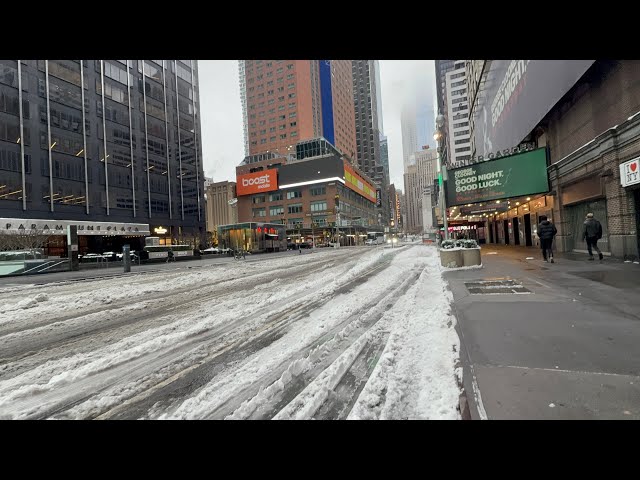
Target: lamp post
x=234 y=205
x=438 y=136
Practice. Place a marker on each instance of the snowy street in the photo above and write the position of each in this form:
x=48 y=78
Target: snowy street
x=354 y=333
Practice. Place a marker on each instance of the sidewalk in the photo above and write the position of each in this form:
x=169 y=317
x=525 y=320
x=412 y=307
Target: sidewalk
x=549 y=341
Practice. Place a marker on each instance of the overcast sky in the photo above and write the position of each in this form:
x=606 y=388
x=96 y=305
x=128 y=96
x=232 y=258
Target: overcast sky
x=221 y=115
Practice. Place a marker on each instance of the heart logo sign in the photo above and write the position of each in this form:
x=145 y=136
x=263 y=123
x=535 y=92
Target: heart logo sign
x=634 y=166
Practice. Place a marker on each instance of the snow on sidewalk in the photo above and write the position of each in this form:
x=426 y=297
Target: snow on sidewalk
x=415 y=378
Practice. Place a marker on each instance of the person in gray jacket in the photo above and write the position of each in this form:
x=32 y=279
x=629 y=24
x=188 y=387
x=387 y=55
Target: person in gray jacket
x=591 y=233
x=546 y=232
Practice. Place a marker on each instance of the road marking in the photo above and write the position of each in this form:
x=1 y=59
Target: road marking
x=539 y=283
x=566 y=371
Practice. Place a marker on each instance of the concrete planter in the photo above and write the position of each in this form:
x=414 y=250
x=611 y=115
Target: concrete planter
x=471 y=256
x=451 y=258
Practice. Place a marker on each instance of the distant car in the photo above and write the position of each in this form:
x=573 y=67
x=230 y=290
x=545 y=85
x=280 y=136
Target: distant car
x=89 y=257
x=305 y=245
x=369 y=241
x=109 y=255
x=224 y=250
x=292 y=246
x=132 y=256
x=210 y=251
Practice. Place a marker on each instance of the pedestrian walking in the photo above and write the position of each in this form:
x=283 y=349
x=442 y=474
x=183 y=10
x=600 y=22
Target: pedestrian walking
x=546 y=232
x=591 y=233
x=170 y=256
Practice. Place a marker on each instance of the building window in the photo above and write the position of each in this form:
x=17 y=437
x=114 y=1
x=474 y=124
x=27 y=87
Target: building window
x=275 y=211
x=283 y=136
x=294 y=194
x=315 y=191
x=293 y=124
x=274 y=197
x=293 y=134
x=272 y=139
x=295 y=208
x=461 y=132
x=318 y=206
x=258 y=199
x=295 y=221
x=259 y=212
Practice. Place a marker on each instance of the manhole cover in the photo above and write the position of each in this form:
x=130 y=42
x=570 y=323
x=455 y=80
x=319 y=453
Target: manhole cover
x=493 y=287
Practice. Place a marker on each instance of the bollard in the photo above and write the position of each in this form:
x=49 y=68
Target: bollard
x=126 y=258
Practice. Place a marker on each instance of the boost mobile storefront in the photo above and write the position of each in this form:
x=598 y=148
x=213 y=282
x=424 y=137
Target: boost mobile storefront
x=506 y=194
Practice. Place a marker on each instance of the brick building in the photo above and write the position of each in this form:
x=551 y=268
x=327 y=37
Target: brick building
x=590 y=132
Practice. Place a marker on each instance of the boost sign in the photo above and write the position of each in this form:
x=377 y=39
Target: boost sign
x=514 y=176
x=630 y=172
x=257 y=182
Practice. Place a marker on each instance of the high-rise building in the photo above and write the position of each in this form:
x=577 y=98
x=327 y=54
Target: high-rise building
x=384 y=156
x=366 y=93
x=219 y=211
x=288 y=101
x=458 y=139
x=418 y=180
x=107 y=145
x=417 y=122
x=243 y=101
x=442 y=68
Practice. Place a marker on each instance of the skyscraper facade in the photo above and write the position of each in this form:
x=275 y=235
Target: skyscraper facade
x=288 y=101
x=111 y=141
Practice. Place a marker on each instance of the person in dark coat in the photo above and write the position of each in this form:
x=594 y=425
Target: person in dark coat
x=591 y=233
x=546 y=232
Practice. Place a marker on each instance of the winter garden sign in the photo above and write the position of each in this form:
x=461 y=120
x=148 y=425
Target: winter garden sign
x=513 y=176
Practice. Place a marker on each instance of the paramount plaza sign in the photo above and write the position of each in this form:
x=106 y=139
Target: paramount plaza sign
x=59 y=227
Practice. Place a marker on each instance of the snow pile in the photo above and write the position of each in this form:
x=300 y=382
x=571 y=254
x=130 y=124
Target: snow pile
x=416 y=375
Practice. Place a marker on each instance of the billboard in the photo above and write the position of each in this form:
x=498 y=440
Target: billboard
x=514 y=95
x=513 y=176
x=257 y=182
x=357 y=184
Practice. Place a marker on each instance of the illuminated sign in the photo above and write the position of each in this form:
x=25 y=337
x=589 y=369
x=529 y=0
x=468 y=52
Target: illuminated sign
x=357 y=184
x=160 y=230
x=513 y=176
x=264 y=181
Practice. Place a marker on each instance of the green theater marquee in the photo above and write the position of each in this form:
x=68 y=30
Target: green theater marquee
x=513 y=176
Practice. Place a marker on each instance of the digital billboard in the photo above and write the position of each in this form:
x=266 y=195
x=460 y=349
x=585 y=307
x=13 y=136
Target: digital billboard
x=505 y=177
x=357 y=184
x=514 y=95
x=256 y=182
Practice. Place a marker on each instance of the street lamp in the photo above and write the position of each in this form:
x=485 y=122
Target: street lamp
x=438 y=136
x=233 y=203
